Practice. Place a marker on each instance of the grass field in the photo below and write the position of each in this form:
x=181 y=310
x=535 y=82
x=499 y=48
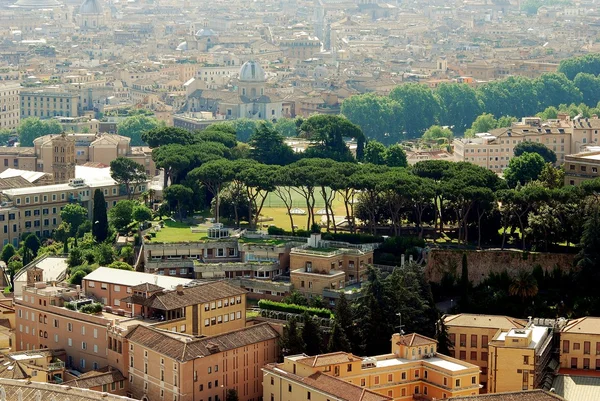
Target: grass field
x=176 y=232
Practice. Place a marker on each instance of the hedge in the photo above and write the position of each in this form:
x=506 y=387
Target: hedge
x=292 y=308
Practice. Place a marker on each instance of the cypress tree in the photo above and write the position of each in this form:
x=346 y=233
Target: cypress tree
x=338 y=340
x=100 y=219
x=311 y=335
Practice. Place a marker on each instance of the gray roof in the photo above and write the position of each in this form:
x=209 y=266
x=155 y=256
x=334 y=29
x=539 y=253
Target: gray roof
x=577 y=388
x=90 y=7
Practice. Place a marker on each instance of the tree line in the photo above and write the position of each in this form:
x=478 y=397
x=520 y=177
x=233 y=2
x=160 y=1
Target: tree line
x=410 y=109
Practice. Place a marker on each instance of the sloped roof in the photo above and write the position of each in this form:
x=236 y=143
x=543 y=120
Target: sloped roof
x=415 y=340
x=587 y=325
x=198 y=294
x=184 y=348
x=95 y=379
x=577 y=388
x=529 y=395
x=484 y=321
x=329 y=359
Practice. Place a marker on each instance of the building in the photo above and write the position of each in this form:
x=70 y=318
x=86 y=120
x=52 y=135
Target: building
x=10 y=114
x=43 y=366
x=494 y=150
x=320 y=267
x=29 y=390
x=527 y=395
x=413 y=370
x=48 y=103
x=470 y=336
x=171 y=366
x=519 y=359
x=582 y=166
x=302 y=47
x=580 y=345
x=107 y=380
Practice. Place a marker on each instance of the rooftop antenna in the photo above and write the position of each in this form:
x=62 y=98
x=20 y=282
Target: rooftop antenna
x=400 y=326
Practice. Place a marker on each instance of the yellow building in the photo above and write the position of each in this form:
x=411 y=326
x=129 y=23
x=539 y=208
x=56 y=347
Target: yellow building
x=470 y=335
x=10 y=115
x=42 y=366
x=518 y=358
x=580 y=344
x=412 y=371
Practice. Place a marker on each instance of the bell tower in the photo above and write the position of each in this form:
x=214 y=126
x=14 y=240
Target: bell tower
x=63 y=158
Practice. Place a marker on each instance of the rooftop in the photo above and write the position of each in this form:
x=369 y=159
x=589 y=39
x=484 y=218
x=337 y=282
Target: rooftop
x=198 y=294
x=586 y=325
x=529 y=395
x=133 y=278
x=484 y=321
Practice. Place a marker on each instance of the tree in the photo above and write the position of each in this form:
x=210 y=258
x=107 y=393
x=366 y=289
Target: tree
x=180 y=196
x=295 y=298
x=535 y=147
x=77 y=277
x=161 y=136
x=219 y=133
x=100 y=218
x=287 y=127
x=141 y=213
x=443 y=338
x=379 y=117
x=338 y=340
x=5 y=136
x=552 y=177
x=213 y=175
x=268 y=147
x=245 y=128
x=32 y=128
x=14 y=265
x=555 y=88
x=523 y=169
x=75 y=258
x=74 y=215
x=311 y=335
x=105 y=254
x=31 y=246
x=133 y=127
x=291 y=342
x=8 y=252
x=120 y=266
x=327 y=133
x=128 y=174
x=127 y=253
x=436 y=133
x=459 y=105
x=395 y=156
x=121 y=215
x=232 y=395
x=589 y=85
x=420 y=107
x=374 y=152
x=589 y=63
x=483 y=123
x=523 y=286
x=259 y=181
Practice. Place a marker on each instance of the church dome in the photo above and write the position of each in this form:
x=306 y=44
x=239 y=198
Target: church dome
x=37 y=3
x=251 y=71
x=90 y=7
x=206 y=32
x=183 y=46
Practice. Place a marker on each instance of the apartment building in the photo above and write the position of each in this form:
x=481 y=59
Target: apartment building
x=519 y=358
x=470 y=336
x=37 y=209
x=582 y=166
x=322 y=266
x=413 y=370
x=42 y=366
x=10 y=114
x=494 y=150
x=171 y=366
x=580 y=344
x=49 y=102
x=300 y=47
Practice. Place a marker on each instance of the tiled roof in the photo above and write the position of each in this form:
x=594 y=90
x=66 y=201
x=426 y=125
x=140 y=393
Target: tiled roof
x=331 y=385
x=13 y=370
x=484 y=321
x=146 y=287
x=577 y=388
x=96 y=379
x=586 y=325
x=186 y=349
x=329 y=359
x=530 y=395
x=415 y=340
x=198 y=294
x=21 y=390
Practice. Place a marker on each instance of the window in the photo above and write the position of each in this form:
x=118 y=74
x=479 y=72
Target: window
x=474 y=341
x=484 y=356
x=473 y=380
x=463 y=340
x=484 y=342
x=565 y=346
x=457 y=383
x=576 y=347
x=349 y=368
x=362 y=382
x=473 y=355
x=573 y=363
x=390 y=378
x=525 y=359
x=403 y=375
x=308 y=395
x=69 y=326
x=463 y=355
x=83 y=345
x=586 y=347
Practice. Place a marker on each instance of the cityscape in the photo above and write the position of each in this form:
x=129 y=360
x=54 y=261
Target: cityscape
x=299 y=200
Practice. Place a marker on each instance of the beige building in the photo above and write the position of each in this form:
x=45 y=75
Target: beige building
x=11 y=389
x=580 y=344
x=10 y=115
x=42 y=366
x=582 y=166
x=171 y=366
x=494 y=150
x=470 y=336
x=47 y=103
x=413 y=370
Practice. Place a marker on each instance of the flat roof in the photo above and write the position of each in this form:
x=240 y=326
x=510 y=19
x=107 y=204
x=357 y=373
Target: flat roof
x=537 y=335
x=445 y=364
x=133 y=278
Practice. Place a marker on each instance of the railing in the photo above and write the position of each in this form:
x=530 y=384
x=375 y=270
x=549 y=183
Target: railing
x=56 y=365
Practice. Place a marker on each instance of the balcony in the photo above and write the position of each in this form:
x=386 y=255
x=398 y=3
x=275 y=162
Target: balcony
x=56 y=365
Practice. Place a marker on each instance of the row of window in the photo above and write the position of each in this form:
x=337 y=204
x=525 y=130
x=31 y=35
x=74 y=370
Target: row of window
x=223 y=303
x=577 y=347
x=222 y=318
x=474 y=340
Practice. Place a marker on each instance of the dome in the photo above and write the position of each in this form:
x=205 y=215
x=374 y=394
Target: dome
x=90 y=7
x=183 y=46
x=206 y=32
x=37 y=3
x=251 y=71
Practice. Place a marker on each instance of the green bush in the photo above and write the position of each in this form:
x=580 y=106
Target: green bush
x=292 y=308
x=91 y=308
x=272 y=230
x=70 y=305
x=357 y=238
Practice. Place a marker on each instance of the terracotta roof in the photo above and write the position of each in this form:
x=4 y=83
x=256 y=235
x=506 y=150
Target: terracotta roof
x=529 y=395
x=484 y=321
x=198 y=294
x=185 y=348
x=13 y=370
x=96 y=379
x=329 y=359
x=587 y=325
x=415 y=340
x=146 y=287
x=14 y=182
x=331 y=385
x=22 y=390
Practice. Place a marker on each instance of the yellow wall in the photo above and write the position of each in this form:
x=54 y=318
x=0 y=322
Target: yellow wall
x=507 y=367
x=477 y=355
x=575 y=355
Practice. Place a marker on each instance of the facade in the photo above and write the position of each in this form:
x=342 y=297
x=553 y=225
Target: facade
x=412 y=371
x=518 y=358
x=10 y=114
x=48 y=103
x=470 y=336
x=580 y=345
x=167 y=366
x=494 y=150
x=302 y=47
x=582 y=166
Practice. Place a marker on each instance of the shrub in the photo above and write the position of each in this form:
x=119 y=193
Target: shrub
x=70 y=305
x=272 y=230
x=292 y=308
x=357 y=238
x=91 y=308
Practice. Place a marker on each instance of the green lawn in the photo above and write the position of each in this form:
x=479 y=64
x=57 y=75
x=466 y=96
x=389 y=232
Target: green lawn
x=177 y=232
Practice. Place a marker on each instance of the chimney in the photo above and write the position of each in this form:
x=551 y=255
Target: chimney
x=179 y=289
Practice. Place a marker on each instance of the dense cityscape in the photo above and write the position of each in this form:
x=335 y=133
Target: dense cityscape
x=325 y=200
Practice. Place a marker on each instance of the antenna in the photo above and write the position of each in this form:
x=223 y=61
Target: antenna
x=400 y=326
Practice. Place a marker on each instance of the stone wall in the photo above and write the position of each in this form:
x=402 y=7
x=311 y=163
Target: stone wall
x=482 y=263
